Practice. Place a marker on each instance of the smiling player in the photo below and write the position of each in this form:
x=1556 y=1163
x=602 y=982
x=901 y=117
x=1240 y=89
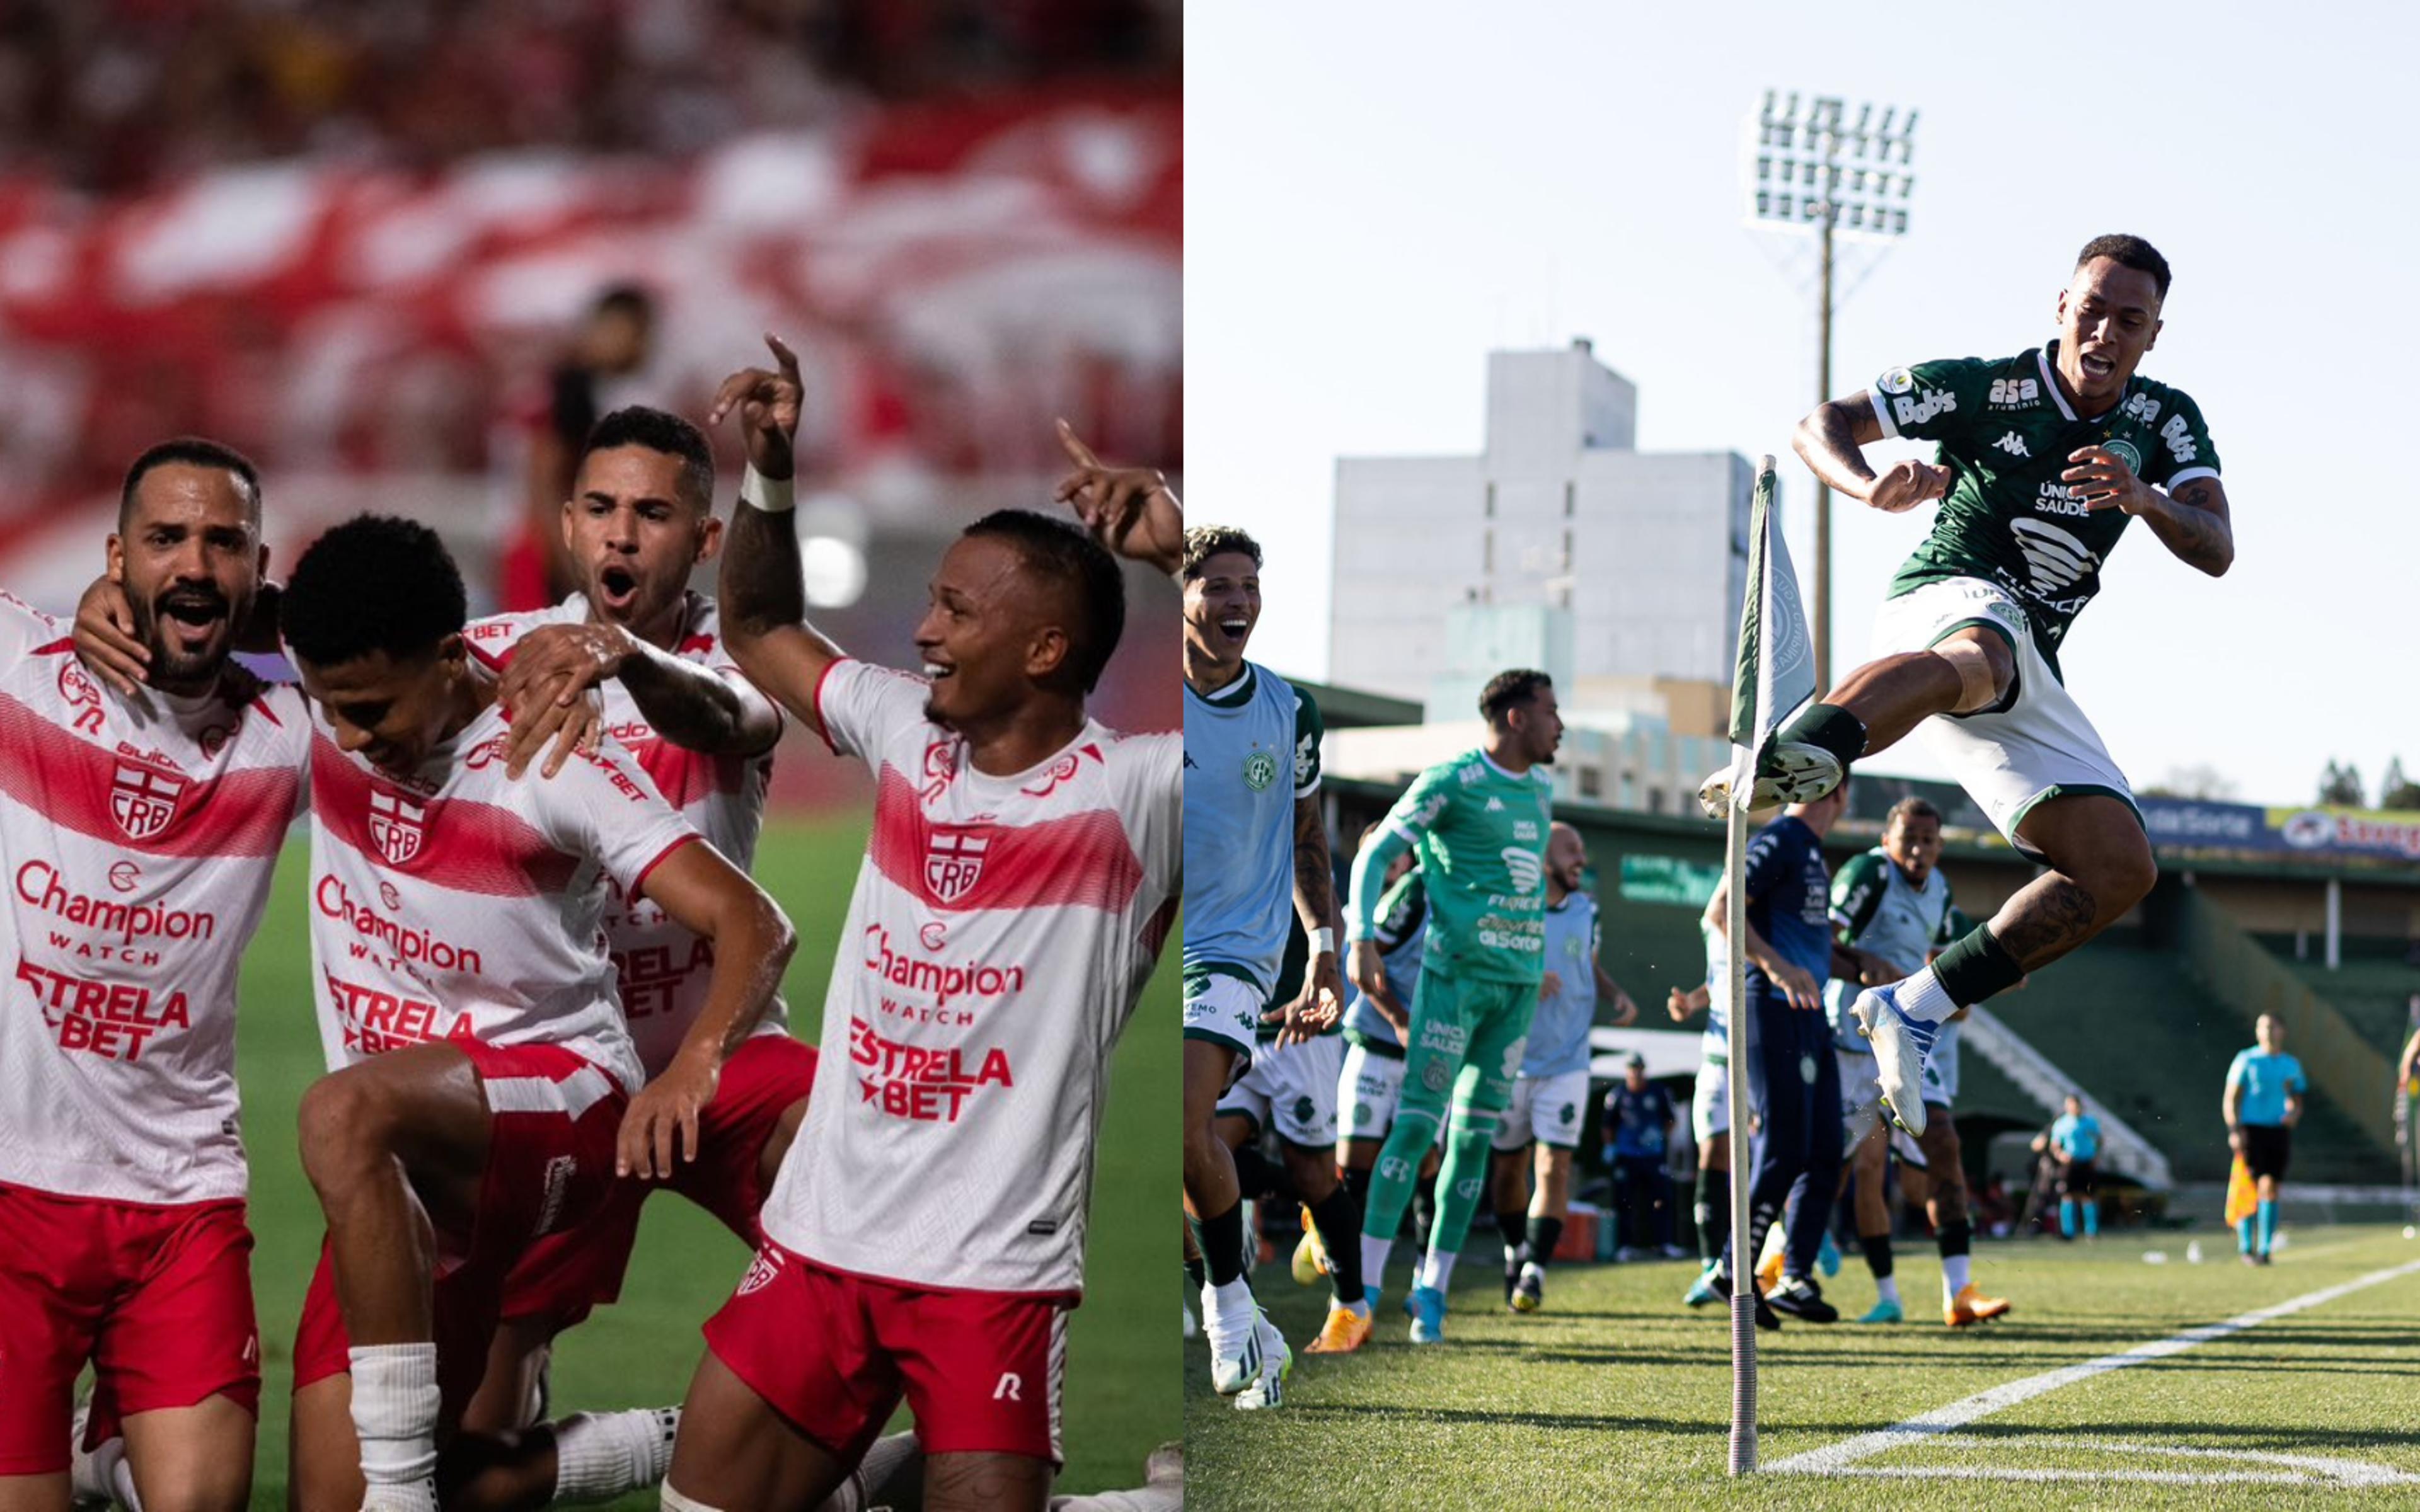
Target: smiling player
x=2045 y=459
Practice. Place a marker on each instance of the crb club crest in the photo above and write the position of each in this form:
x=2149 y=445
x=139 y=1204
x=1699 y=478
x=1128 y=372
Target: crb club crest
x=143 y=799
x=953 y=860
x=397 y=826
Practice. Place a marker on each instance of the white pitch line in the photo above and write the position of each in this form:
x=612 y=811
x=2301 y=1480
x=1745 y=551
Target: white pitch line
x=1834 y=1458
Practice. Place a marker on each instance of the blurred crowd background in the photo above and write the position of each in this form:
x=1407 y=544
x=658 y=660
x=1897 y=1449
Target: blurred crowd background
x=402 y=253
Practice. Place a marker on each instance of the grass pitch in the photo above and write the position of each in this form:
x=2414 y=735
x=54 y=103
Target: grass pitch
x=1123 y=1356
x=1616 y=1394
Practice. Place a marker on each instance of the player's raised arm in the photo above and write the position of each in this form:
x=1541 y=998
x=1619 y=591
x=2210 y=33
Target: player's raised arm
x=2190 y=518
x=762 y=588
x=1131 y=511
x=752 y=941
x=1831 y=441
x=687 y=702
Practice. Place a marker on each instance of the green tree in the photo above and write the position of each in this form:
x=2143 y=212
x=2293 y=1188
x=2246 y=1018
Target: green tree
x=2340 y=786
x=2394 y=790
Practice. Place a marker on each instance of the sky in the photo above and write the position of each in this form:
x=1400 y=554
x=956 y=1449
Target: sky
x=1379 y=194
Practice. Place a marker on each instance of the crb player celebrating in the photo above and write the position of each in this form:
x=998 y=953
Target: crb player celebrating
x=1479 y=820
x=2046 y=457
x=926 y=1237
x=139 y=827
x=1254 y=844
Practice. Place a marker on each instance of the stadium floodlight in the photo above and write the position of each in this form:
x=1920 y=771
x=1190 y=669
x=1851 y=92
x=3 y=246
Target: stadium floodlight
x=1821 y=167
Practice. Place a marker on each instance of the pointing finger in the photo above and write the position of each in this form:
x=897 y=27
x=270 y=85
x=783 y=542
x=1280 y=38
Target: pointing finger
x=1077 y=450
x=782 y=357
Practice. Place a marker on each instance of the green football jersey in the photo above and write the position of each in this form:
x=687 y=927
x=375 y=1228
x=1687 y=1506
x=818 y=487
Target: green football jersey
x=1482 y=834
x=2004 y=429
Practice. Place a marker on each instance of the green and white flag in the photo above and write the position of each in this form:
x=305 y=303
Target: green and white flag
x=1777 y=655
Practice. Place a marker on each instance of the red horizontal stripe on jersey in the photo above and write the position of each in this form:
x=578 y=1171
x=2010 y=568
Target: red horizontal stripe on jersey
x=1076 y=860
x=465 y=845
x=66 y=779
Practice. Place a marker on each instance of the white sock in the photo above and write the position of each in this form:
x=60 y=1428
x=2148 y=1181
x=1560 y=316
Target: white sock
x=395 y=1413
x=1437 y=1269
x=1375 y=1251
x=871 y=1485
x=1777 y=1242
x=1886 y=1289
x=1229 y=1308
x=1954 y=1275
x=1923 y=999
x=602 y=1455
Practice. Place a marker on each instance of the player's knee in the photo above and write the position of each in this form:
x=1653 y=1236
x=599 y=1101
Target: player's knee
x=1985 y=667
x=1312 y=1170
x=345 y=1123
x=2124 y=878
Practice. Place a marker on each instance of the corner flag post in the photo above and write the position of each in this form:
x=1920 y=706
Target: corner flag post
x=1775 y=674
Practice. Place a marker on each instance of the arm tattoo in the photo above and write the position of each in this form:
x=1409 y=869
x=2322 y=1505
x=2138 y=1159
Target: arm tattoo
x=1314 y=882
x=761 y=585
x=2194 y=529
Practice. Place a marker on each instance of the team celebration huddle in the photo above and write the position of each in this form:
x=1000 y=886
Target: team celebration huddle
x=546 y=988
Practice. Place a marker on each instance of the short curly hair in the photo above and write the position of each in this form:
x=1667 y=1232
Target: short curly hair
x=1203 y=542
x=374 y=583
x=1509 y=691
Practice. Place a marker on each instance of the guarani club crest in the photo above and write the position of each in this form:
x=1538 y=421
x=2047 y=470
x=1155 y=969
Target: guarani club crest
x=142 y=798
x=953 y=860
x=1260 y=770
x=397 y=826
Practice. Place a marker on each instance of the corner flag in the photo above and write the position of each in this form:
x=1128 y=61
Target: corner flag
x=1775 y=672
x=1774 y=675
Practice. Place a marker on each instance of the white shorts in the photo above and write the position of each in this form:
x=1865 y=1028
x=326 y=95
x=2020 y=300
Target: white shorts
x=1293 y=1090
x=1550 y=1109
x=1369 y=1088
x=1710 y=1108
x=1224 y=1008
x=2040 y=746
x=1910 y=1153
x=1861 y=1095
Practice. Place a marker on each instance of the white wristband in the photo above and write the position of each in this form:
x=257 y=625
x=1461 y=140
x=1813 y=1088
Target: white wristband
x=774 y=495
x=1323 y=942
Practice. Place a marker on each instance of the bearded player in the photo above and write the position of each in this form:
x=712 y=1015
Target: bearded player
x=640 y=518
x=2045 y=459
x=1479 y=823
x=1021 y=877
x=139 y=829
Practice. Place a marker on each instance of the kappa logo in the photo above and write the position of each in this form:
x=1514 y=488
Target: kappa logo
x=2013 y=444
x=142 y=798
x=398 y=826
x=1495 y=805
x=954 y=861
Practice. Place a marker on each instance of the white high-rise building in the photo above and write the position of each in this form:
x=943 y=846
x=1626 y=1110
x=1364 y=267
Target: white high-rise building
x=1645 y=552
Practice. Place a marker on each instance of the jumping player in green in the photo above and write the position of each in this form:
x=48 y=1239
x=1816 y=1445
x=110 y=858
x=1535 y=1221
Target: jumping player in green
x=2045 y=457
x=1479 y=822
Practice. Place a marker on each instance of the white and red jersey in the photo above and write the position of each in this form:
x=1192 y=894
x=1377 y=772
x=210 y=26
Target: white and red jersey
x=138 y=839
x=1002 y=931
x=663 y=969
x=462 y=903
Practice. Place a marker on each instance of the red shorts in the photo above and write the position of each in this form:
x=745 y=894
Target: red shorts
x=158 y=1298
x=555 y=1117
x=833 y=1353
x=565 y=1274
